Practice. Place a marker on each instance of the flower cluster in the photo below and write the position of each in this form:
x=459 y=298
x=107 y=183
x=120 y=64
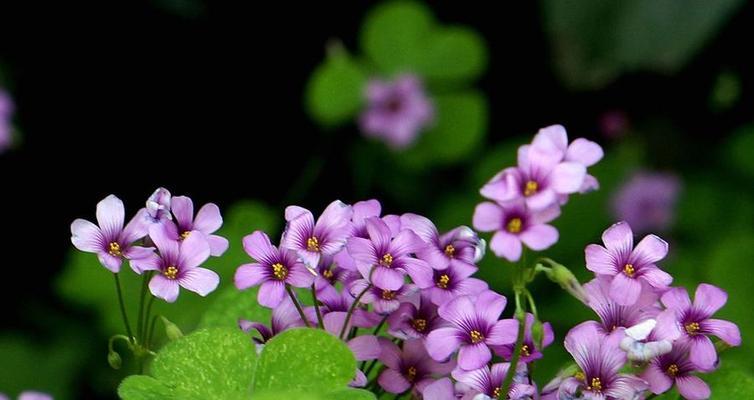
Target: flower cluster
x=643 y=322
x=525 y=198
x=29 y=395
x=397 y=291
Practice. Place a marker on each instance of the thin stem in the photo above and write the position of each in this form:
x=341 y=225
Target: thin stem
x=123 y=307
x=521 y=316
x=151 y=331
x=140 y=323
x=532 y=306
x=351 y=310
x=147 y=314
x=316 y=308
x=298 y=306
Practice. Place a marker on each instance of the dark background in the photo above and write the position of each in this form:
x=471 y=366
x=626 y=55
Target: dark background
x=122 y=96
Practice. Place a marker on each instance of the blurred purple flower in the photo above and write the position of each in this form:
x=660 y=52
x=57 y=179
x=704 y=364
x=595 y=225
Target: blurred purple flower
x=273 y=270
x=110 y=241
x=647 y=201
x=6 y=113
x=178 y=265
x=675 y=367
x=207 y=221
x=414 y=319
x=530 y=351
x=397 y=111
x=409 y=367
x=514 y=223
x=158 y=206
x=473 y=327
x=284 y=317
x=613 y=124
x=629 y=267
x=312 y=240
x=32 y=395
x=695 y=324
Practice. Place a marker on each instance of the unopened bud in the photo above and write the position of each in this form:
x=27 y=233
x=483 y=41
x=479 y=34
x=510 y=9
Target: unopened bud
x=565 y=278
x=113 y=358
x=172 y=331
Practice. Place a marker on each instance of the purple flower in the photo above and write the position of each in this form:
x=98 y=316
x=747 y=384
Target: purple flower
x=410 y=367
x=6 y=113
x=32 y=395
x=647 y=201
x=629 y=267
x=110 y=241
x=284 y=317
x=207 y=221
x=334 y=301
x=473 y=327
x=328 y=275
x=178 y=265
x=441 y=389
x=459 y=246
x=600 y=359
x=640 y=344
x=580 y=151
x=396 y=111
x=514 y=223
x=613 y=315
x=273 y=270
x=695 y=324
x=384 y=300
x=445 y=285
x=158 y=206
x=414 y=319
x=362 y=211
x=530 y=351
x=675 y=367
x=311 y=241
x=384 y=260
x=485 y=383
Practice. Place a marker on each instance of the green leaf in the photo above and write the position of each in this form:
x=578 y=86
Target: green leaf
x=595 y=40
x=311 y=360
x=335 y=90
x=211 y=363
x=731 y=381
x=232 y=304
x=738 y=151
x=458 y=131
x=452 y=54
x=351 y=394
x=140 y=387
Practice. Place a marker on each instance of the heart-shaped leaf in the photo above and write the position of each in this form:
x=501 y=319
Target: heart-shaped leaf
x=335 y=90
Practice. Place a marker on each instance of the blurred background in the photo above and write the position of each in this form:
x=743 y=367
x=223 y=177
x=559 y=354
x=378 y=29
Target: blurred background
x=238 y=104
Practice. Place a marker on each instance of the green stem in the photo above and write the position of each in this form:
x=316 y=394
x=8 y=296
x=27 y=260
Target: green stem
x=148 y=314
x=351 y=310
x=316 y=308
x=532 y=306
x=140 y=323
x=297 y=305
x=123 y=308
x=150 y=333
x=521 y=316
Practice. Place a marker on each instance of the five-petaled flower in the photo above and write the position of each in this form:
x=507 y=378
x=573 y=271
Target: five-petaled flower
x=312 y=240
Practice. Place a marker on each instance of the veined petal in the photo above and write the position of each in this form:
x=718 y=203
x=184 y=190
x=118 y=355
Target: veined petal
x=676 y=298
x=624 y=290
x=692 y=387
x=208 y=219
x=183 y=209
x=442 y=342
x=619 y=239
x=110 y=262
x=248 y=275
x=503 y=332
x=703 y=353
x=194 y=250
x=169 y=248
x=599 y=260
x=458 y=310
x=649 y=250
x=727 y=331
x=259 y=247
x=421 y=226
x=393 y=381
x=490 y=305
x=201 y=281
x=164 y=288
x=217 y=245
x=87 y=236
x=271 y=293
x=473 y=356
x=709 y=298
x=110 y=217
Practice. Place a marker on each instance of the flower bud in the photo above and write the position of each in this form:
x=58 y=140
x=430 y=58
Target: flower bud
x=565 y=278
x=172 y=331
x=113 y=358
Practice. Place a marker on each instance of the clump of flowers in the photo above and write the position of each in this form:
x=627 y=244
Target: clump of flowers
x=164 y=243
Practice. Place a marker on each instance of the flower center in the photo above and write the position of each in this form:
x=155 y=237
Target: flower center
x=450 y=251
x=497 y=392
x=514 y=225
x=530 y=188
x=312 y=244
x=692 y=328
x=171 y=272
x=476 y=336
x=629 y=270
x=387 y=260
x=525 y=350
x=411 y=373
x=185 y=235
x=419 y=324
x=328 y=274
x=444 y=281
x=672 y=370
x=114 y=249
x=596 y=385
x=280 y=271
x=388 y=294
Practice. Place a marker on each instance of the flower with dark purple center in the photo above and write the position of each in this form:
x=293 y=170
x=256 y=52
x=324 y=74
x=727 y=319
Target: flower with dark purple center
x=629 y=267
x=397 y=111
x=414 y=319
x=513 y=224
x=273 y=270
x=486 y=383
x=207 y=221
x=695 y=323
x=613 y=315
x=530 y=350
x=410 y=367
x=312 y=240
x=449 y=283
x=647 y=201
x=459 y=246
x=284 y=317
x=675 y=367
x=110 y=240
x=473 y=327
x=335 y=301
x=384 y=300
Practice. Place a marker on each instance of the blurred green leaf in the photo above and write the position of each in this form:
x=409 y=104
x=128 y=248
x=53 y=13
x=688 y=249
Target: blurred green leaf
x=306 y=359
x=458 y=131
x=335 y=90
x=595 y=40
x=739 y=149
x=141 y=387
x=726 y=91
x=232 y=304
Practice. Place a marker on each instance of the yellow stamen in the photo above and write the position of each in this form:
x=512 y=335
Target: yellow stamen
x=629 y=270
x=476 y=336
x=530 y=188
x=171 y=272
x=497 y=392
x=327 y=274
x=579 y=376
x=114 y=249
x=444 y=281
x=387 y=260
x=525 y=350
x=411 y=374
x=596 y=385
x=419 y=324
x=312 y=244
x=672 y=370
x=450 y=251
x=185 y=235
x=515 y=225
x=692 y=328
x=280 y=271
x=388 y=294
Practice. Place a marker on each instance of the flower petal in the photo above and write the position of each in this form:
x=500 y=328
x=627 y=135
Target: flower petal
x=656 y=277
x=703 y=353
x=488 y=217
x=248 y=275
x=458 y=310
x=676 y=298
x=441 y=389
x=727 y=331
x=259 y=247
x=393 y=381
x=568 y=177
x=421 y=226
x=150 y=263
x=110 y=217
x=599 y=260
x=692 y=388
x=619 y=239
x=194 y=250
x=217 y=245
x=503 y=244
x=709 y=298
x=442 y=342
x=659 y=382
x=86 y=236
x=624 y=290
x=387 y=278
x=503 y=332
x=164 y=288
x=539 y=237
x=110 y=262
x=489 y=305
x=650 y=250
x=299 y=276
x=473 y=356
x=271 y=293
x=365 y=347
x=201 y=281
x=208 y=219
x=584 y=152
x=183 y=209
x=169 y=248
